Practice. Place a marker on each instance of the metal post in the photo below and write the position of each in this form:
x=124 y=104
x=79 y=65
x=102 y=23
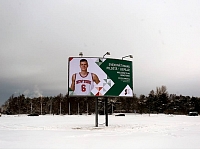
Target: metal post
x=19 y=103
x=31 y=107
x=61 y=99
x=112 y=108
x=106 y=110
x=69 y=108
x=51 y=106
x=41 y=104
x=96 y=112
x=78 y=108
x=87 y=108
x=60 y=107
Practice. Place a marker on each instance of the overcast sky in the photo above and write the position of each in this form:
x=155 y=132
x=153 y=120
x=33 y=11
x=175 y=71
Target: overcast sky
x=37 y=37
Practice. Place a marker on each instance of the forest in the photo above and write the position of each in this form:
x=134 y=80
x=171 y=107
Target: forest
x=158 y=101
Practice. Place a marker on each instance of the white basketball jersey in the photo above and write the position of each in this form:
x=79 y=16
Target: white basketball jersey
x=83 y=85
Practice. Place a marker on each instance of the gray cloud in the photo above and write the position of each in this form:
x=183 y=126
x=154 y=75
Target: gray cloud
x=37 y=37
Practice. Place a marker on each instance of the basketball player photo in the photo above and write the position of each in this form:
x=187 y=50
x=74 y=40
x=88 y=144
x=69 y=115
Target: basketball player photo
x=83 y=81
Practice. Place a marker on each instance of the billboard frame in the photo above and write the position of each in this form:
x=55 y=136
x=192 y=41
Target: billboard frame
x=101 y=96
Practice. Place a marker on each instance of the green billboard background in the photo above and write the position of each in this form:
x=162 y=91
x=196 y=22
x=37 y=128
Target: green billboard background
x=120 y=72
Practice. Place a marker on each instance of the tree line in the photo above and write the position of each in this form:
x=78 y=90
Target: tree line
x=158 y=101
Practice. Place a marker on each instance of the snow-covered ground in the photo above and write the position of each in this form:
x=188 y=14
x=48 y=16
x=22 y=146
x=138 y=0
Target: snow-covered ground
x=79 y=131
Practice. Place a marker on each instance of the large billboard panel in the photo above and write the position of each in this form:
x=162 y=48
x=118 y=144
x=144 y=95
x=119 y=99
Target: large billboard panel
x=92 y=76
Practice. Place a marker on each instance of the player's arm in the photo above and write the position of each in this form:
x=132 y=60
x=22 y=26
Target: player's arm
x=73 y=82
x=95 y=78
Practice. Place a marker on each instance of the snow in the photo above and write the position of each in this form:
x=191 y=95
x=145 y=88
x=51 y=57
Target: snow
x=79 y=131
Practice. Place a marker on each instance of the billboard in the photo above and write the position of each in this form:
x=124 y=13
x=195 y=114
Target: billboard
x=92 y=76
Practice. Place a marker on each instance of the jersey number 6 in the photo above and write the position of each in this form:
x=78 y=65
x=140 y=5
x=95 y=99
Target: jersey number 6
x=83 y=88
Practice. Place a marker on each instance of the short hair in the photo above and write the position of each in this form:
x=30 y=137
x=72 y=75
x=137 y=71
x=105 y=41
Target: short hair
x=83 y=60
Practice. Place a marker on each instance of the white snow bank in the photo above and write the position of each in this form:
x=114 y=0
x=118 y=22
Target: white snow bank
x=79 y=131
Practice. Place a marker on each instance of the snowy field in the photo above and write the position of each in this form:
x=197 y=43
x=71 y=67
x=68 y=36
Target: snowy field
x=79 y=131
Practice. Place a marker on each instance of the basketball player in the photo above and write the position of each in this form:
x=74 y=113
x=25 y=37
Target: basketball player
x=83 y=82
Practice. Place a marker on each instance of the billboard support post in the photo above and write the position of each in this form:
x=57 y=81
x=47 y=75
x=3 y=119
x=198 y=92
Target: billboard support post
x=69 y=108
x=106 y=110
x=96 y=112
x=87 y=108
x=100 y=77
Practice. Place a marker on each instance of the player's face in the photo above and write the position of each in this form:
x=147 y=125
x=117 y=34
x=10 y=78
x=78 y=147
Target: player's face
x=83 y=66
